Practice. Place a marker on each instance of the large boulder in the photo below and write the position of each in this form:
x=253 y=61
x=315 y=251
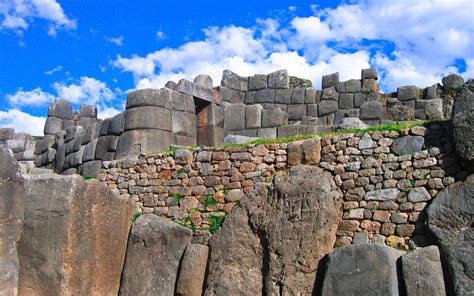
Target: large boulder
x=422 y=272
x=155 y=248
x=362 y=269
x=453 y=82
x=235 y=259
x=12 y=206
x=408 y=145
x=450 y=219
x=74 y=238
x=297 y=224
x=351 y=123
x=193 y=270
x=463 y=122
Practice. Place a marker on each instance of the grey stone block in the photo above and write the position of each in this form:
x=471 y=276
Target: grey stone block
x=312 y=110
x=53 y=126
x=91 y=168
x=184 y=124
x=266 y=95
x=434 y=109
x=6 y=133
x=68 y=162
x=406 y=93
x=407 y=145
x=341 y=87
x=61 y=109
x=257 y=81
x=16 y=145
x=310 y=96
x=411 y=104
x=353 y=86
x=211 y=115
x=283 y=96
x=117 y=124
x=372 y=110
x=453 y=82
x=27 y=155
x=92 y=132
x=249 y=97
x=420 y=114
x=234 y=117
x=71 y=132
x=85 y=122
x=330 y=94
x=279 y=79
x=88 y=111
x=267 y=133
x=113 y=140
x=298 y=96
x=331 y=80
x=420 y=104
x=431 y=92
x=369 y=74
x=350 y=123
x=89 y=152
x=150 y=97
x=185 y=140
x=138 y=142
x=234 y=81
x=232 y=96
x=246 y=133
x=370 y=86
x=286 y=131
x=359 y=98
x=77 y=160
x=203 y=80
x=346 y=101
x=253 y=116
x=67 y=124
x=210 y=136
x=327 y=107
x=182 y=102
x=69 y=147
x=60 y=158
x=171 y=85
x=296 y=112
x=341 y=114
x=149 y=117
x=42 y=146
x=102 y=147
x=104 y=129
x=402 y=113
x=273 y=117
x=68 y=172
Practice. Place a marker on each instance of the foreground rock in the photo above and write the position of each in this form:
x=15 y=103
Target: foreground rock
x=362 y=269
x=450 y=219
x=192 y=271
x=298 y=224
x=463 y=122
x=236 y=256
x=74 y=239
x=12 y=202
x=422 y=272
x=154 y=250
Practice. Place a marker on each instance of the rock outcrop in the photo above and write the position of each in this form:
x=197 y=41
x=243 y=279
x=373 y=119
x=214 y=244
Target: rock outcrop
x=463 y=122
x=74 y=238
x=450 y=219
x=155 y=248
x=12 y=201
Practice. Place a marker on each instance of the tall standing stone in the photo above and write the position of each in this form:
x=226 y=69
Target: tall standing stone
x=12 y=208
x=463 y=122
x=193 y=270
x=155 y=248
x=74 y=239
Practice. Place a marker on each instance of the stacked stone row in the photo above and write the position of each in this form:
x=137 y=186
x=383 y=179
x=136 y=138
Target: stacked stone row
x=387 y=178
x=21 y=144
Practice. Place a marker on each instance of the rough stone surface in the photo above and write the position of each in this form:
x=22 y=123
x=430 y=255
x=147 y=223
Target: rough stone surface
x=450 y=217
x=236 y=139
x=351 y=123
x=74 y=239
x=422 y=272
x=193 y=270
x=235 y=259
x=253 y=116
x=292 y=246
x=12 y=207
x=148 y=117
x=153 y=242
x=434 y=109
x=407 y=93
x=402 y=113
x=453 y=81
x=408 y=145
x=463 y=122
x=372 y=110
x=61 y=109
x=331 y=80
x=257 y=81
x=203 y=80
x=53 y=126
x=279 y=79
x=376 y=270
x=88 y=111
x=327 y=107
x=143 y=141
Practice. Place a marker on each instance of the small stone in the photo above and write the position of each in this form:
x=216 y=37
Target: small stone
x=418 y=194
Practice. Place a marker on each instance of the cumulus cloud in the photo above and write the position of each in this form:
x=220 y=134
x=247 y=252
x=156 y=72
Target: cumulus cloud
x=35 y=97
x=16 y=15
x=22 y=122
x=87 y=90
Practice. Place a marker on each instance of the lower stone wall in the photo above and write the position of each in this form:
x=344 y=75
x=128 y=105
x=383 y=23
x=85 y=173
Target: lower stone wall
x=387 y=179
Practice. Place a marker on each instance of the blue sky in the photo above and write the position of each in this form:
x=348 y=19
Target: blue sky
x=97 y=51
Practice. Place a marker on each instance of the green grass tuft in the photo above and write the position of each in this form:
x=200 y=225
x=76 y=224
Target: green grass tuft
x=88 y=177
x=209 y=201
x=178 y=197
x=135 y=216
x=215 y=222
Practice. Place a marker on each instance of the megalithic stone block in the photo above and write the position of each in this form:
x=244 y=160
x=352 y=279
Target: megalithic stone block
x=147 y=141
x=61 y=109
x=12 y=202
x=88 y=111
x=53 y=125
x=75 y=237
x=148 y=118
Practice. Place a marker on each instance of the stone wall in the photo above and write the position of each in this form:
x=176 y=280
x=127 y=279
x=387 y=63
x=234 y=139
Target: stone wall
x=387 y=179
x=21 y=144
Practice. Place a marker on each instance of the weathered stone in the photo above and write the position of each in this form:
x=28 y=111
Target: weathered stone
x=463 y=122
x=236 y=139
x=408 y=145
x=422 y=272
x=117 y=124
x=327 y=107
x=148 y=117
x=234 y=117
x=312 y=150
x=184 y=123
x=266 y=95
x=450 y=217
x=310 y=96
x=88 y=111
x=143 y=141
x=12 y=207
x=150 y=97
x=418 y=194
x=211 y=115
x=73 y=244
x=235 y=258
x=351 y=123
x=330 y=80
x=298 y=96
x=371 y=88
x=153 y=241
x=193 y=270
x=376 y=271
x=407 y=93
x=283 y=96
x=353 y=86
x=372 y=110
x=382 y=194
x=203 y=80
x=257 y=81
x=296 y=112
x=279 y=79
x=234 y=81
x=253 y=116
x=53 y=126
x=6 y=133
x=453 y=82
x=369 y=73
x=273 y=117
x=330 y=94
x=90 y=168
x=89 y=151
x=346 y=101
x=61 y=109
x=295 y=153
x=402 y=113
x=294 y=249
x=434 y=109
x=366 y=142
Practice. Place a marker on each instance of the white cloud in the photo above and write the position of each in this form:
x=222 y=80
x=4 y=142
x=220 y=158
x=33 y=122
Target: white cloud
x=86 y=91
x=16 y=15
x=54 y=70
x=292 y=8
x=22 y=122
x=35 y=97
x=160 y=35
x=115 y=40
x=107 y=112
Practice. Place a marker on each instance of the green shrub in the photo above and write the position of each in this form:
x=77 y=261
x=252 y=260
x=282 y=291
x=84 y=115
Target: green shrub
x=135 y=216
x=88 y=177
x=215 y=222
